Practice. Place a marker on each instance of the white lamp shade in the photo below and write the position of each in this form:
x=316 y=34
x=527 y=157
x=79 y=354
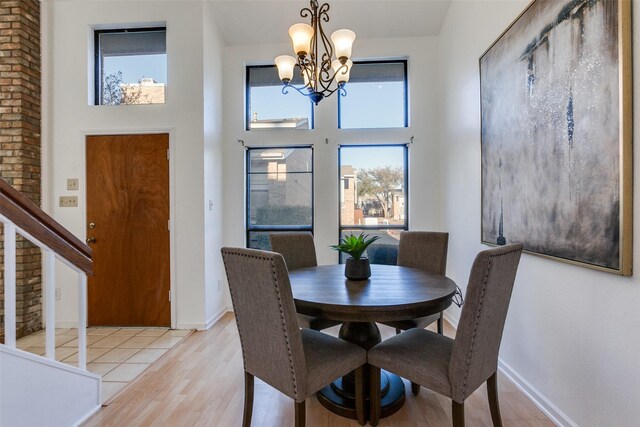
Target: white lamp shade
x=342 y=42
x=285 y=64
x=342 y=73
x=301 y=35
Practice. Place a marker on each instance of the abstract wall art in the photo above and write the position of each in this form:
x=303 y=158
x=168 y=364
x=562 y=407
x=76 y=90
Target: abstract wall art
x=556 y=101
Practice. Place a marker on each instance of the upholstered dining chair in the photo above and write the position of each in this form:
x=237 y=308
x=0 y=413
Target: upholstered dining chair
x=299 y=251
x=297 y=362
x=425 y=250
x=456 y=368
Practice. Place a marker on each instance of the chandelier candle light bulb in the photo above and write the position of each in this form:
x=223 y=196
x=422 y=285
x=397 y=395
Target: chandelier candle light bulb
x=323 y=72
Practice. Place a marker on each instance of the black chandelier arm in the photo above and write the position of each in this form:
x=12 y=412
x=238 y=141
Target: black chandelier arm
x=306 y=68
x=306 y=12
x=339 y=88
x=303 y=90
x=326 y=83
x=323 y=12
x=307 y=91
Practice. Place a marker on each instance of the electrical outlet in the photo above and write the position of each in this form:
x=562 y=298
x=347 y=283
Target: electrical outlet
x=72 y=184
x=68 y=201
x=58 y=294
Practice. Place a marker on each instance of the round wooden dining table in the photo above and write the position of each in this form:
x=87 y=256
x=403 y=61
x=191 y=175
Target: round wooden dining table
x=391 y=293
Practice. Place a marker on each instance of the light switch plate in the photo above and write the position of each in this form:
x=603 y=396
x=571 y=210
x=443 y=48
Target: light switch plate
x=68 y=201
x=72 y=184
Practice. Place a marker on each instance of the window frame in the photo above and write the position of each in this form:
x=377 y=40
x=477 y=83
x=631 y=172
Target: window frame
x=406 y=91
x=279 y=228
x=97 y=63
x=364 y=228
x=247 y=100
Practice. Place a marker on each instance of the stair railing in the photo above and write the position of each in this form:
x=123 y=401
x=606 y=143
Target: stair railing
x=21 y=216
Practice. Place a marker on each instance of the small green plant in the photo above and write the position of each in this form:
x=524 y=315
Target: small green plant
x=355 y=245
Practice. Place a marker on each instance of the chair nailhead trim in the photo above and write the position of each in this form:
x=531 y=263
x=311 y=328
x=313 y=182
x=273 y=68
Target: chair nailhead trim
x=478 y=313
x=475 y=329
x=284 y=327
x=286 y=333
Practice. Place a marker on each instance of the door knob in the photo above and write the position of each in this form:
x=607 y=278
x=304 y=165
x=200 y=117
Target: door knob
x=91 y=240
x=92 y=225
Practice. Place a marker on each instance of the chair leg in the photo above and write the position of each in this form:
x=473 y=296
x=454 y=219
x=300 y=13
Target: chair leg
x=457 y=410
x=441 y=323
x=494 y=406
x=301 y=413
x=374 y=396
x=360 y=396
x=248 y=399
x=415 y=389
x=398 y=331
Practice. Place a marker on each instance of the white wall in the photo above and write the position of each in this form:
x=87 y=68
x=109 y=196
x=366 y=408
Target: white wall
x=214 y=210
x=424 y=190
x=68 y=117
x=571 y=333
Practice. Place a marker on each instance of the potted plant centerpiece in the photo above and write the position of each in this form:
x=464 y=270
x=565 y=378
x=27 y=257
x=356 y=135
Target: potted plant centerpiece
x=357 y=267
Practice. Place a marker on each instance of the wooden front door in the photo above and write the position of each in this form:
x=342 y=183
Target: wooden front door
x=128 y=216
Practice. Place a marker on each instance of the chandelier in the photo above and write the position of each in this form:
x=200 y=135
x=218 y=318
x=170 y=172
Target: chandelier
x=319 y=69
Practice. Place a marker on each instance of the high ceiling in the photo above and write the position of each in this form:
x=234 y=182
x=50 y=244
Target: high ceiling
x=267 y=21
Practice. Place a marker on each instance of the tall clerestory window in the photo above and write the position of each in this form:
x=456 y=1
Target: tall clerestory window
x=130 y=66
x=279 y=192
x=374 y=196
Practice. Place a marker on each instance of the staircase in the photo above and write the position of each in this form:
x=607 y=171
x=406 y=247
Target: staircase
x=35 y=390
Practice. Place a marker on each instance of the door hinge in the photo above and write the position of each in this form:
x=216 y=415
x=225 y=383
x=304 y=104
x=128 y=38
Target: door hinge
x=169 y=225
x=168 y=154
x=170 y=295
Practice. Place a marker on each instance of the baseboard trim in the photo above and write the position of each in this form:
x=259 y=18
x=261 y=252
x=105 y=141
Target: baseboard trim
x=204 y=326
x=533 y=394
x=545 y=405
x=214 y=319
x=88 y=415
x=66 y=325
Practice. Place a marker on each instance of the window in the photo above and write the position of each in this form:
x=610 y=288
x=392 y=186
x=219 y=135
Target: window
x=373 y=196
x=376 y=96
x=279 y=192
x=130 y=66
x=268 y=108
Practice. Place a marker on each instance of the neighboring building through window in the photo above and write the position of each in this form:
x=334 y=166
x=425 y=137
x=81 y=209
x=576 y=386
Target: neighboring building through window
x=130 y=66
x=279 y=192
x=268 y=108
x=373 y=196
x=376 y=96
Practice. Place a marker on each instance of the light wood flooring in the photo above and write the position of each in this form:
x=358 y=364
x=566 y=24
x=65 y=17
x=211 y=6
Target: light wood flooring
x=200 y=383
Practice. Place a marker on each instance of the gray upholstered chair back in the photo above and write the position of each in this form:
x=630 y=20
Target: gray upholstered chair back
x=383 y=253
x=475 y=351
x=425 y=250
x=298 y=249
x=266 y=319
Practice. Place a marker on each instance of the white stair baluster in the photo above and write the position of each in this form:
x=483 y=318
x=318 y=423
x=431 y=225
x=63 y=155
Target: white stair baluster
x=50 y=302
x=10 y=284
x=82 y=320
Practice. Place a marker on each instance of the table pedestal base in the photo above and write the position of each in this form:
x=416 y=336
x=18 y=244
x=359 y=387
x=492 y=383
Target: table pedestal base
x=337 y=400
x=339 y=396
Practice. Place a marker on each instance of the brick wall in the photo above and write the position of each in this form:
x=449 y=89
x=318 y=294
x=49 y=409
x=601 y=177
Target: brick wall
x=20 y=143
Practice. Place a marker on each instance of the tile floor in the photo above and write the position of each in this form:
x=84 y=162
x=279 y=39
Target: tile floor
x=120 y=355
